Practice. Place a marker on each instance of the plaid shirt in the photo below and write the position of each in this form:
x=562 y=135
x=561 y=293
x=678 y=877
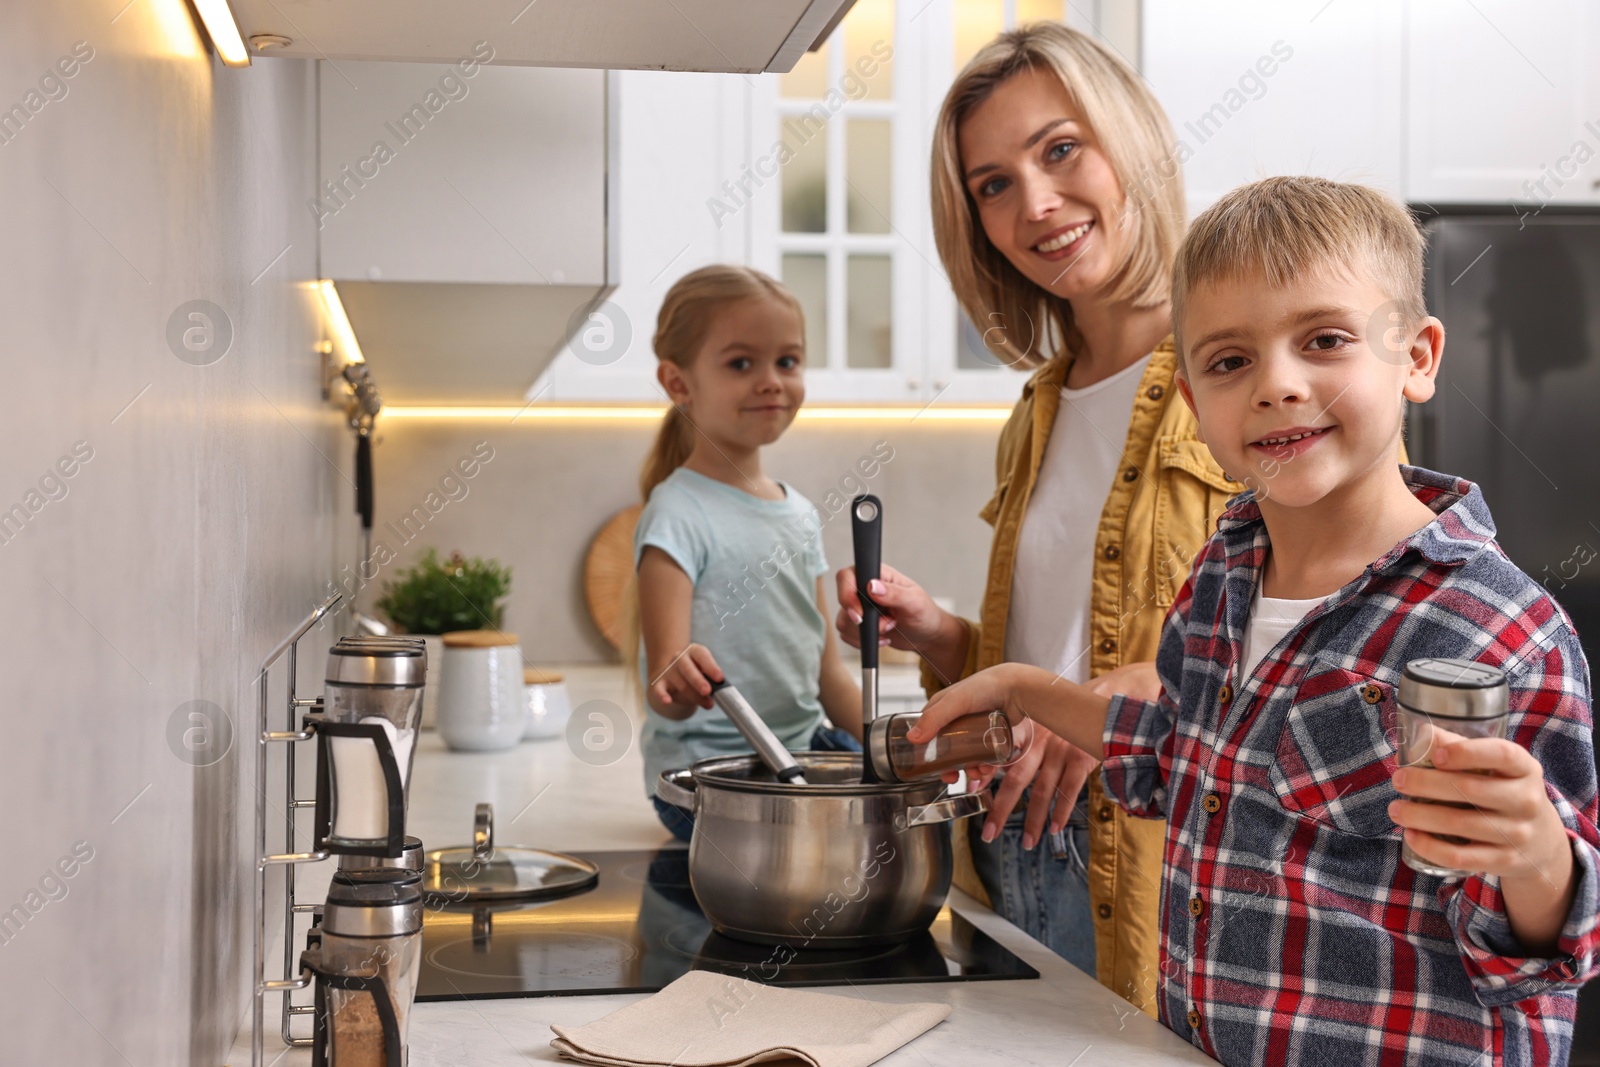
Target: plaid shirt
x=1291 y=930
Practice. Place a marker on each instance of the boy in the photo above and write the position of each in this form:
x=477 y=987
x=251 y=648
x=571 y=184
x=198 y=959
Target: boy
x=1291 y=932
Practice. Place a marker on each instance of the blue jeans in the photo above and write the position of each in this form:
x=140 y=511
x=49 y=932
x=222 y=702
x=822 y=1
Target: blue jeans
x=1044 y=892
x=681 y=821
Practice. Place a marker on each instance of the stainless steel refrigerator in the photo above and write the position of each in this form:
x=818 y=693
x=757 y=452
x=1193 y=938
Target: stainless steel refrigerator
x=1518 y=409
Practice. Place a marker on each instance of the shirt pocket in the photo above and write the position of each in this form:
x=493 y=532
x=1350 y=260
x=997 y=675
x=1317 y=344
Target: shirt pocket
x=1191 y=492
x=1335 y=758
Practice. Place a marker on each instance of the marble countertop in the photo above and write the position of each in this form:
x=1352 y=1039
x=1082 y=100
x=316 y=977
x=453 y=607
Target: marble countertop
x=550 y=794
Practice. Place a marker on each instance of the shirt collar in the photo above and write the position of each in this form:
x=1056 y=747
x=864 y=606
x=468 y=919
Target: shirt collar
x=1462 y=525
x=1053 y=375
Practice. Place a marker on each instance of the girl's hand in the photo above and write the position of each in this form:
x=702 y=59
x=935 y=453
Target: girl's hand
x=1511 y=828
x=685 y=683
x=910 y=620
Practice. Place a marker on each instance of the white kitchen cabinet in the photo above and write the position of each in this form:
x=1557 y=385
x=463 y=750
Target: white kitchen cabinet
x=1504 y=102
x=465 y=217
x=431 y=175
x=1264 y=87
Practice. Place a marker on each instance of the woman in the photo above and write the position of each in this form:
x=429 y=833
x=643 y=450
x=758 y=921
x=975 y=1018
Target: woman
x=1057 y=224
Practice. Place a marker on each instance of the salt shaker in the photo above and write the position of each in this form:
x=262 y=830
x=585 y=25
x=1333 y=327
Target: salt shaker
x=1456 y=697
x=980 y=738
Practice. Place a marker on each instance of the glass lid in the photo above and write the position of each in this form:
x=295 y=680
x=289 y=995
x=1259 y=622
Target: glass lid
x=484 y=871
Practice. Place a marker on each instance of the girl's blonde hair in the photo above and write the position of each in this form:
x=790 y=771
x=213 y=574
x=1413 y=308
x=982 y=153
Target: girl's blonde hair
x=1015 y=314
x=681 y=328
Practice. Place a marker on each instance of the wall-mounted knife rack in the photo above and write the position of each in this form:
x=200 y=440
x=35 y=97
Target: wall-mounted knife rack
x=293 y=978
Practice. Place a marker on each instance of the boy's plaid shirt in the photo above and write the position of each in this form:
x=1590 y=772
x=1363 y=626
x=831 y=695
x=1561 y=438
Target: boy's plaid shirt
x=1291 y=931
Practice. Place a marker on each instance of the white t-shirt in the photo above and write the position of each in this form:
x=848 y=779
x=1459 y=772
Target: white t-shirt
x=1048 y=623
x=1271 y=618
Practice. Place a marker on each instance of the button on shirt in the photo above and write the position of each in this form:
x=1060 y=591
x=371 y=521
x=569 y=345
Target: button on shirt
x=1288 y=922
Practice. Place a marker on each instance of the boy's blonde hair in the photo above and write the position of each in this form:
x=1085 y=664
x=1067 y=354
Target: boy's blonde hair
x=1279 y=229
x=1013 y=312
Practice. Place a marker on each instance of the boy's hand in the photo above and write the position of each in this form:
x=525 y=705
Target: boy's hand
x=1511 y=828
x=1136 y=680
x=685 y=683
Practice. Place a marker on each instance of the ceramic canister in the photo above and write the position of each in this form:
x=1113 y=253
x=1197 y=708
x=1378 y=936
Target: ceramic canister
x=482 y=706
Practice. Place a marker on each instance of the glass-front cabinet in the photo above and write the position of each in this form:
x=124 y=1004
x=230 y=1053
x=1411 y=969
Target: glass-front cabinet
x=846 y=138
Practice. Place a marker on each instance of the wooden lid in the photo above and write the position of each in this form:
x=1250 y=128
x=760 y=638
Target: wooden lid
x=534 y=676
x=608 y=573
x=478 y=639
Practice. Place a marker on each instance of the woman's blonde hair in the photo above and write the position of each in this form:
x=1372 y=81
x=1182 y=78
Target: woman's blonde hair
x=1015 y=314
x=681 y=328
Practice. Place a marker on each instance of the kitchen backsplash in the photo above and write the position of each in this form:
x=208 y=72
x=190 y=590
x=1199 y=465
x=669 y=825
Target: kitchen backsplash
x=539 y=491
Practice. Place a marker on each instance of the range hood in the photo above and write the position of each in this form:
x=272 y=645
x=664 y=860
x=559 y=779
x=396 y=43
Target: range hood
x=733 y=36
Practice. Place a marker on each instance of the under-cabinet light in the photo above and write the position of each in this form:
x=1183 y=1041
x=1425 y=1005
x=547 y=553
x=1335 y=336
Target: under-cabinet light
x=224 y=32
x=344 y=336
x=652 y=412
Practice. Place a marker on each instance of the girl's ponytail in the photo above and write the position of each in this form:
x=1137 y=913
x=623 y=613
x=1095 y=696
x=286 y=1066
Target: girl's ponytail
x=674 y=442
x=681 y=328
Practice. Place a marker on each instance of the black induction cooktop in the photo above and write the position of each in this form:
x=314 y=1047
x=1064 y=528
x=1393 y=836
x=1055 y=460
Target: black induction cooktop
x=639 y=928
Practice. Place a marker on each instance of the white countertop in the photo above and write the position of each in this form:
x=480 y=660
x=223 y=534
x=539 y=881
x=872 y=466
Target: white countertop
x=545 y=796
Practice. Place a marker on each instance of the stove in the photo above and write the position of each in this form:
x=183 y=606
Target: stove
x=639 y=928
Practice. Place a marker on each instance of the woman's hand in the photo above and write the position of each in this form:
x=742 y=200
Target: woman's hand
x=910 y=620
x=684 y=683
x=1055 y=769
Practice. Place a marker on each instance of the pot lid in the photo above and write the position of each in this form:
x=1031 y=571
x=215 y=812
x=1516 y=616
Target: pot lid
x=482 y=871
x=459 y=876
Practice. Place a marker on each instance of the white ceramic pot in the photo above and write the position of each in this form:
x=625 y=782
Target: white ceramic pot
x=482 y=706
x=549 y=705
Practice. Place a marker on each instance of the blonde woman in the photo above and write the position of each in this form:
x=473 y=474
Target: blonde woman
x=1058 y=208
x=729 y=560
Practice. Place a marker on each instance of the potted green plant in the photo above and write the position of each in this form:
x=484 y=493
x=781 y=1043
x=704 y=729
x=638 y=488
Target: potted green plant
x=434 y=597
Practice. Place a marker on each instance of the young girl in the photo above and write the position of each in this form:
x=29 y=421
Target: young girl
x=730 y=561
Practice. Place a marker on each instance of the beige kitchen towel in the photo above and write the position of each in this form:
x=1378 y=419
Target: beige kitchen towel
x=706 y=1019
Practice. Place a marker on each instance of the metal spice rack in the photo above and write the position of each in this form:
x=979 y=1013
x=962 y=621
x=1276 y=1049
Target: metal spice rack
x=265 y=738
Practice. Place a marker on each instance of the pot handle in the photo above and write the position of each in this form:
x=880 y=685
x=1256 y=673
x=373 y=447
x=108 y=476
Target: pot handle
x=949 y=809
x=677 y=787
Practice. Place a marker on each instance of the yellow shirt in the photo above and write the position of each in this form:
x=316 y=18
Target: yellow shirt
x=1162 y=508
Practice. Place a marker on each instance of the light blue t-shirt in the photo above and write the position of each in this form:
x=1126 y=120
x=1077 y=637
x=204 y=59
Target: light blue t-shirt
x=755 y=565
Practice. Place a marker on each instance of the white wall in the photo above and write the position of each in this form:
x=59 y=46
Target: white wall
x=199 y=531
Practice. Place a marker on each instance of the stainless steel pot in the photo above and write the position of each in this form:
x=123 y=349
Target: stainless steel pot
x=837 y=863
